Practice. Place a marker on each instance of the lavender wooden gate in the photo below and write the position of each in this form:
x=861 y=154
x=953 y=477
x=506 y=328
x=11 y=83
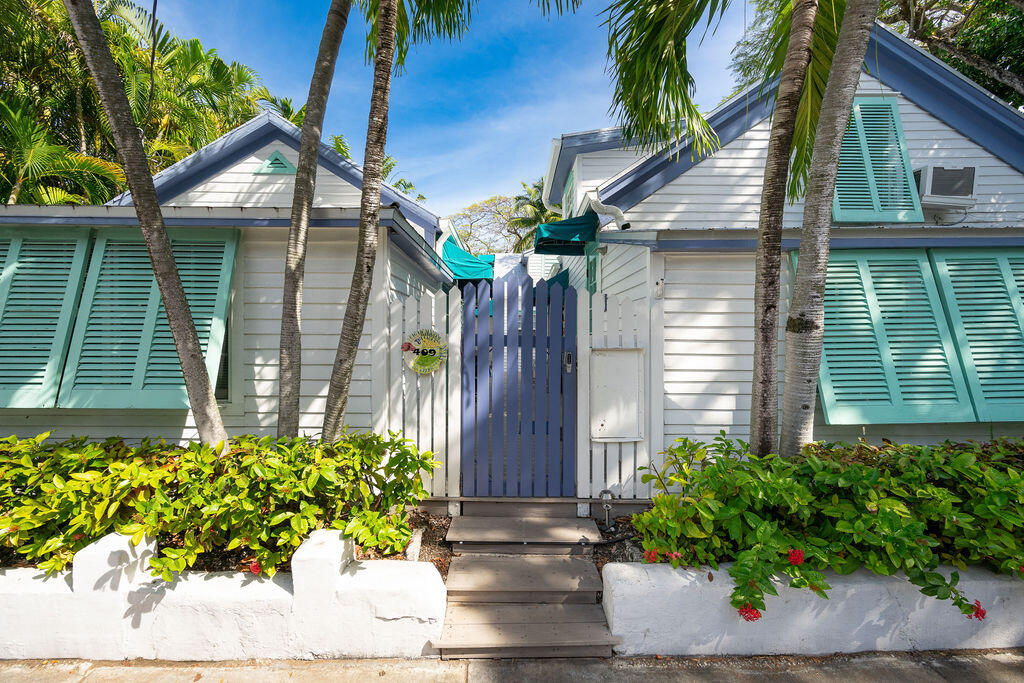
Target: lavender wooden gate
x=519 y=390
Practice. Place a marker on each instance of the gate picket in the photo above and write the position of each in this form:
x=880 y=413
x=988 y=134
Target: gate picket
x=569 y=398
x=513 y=381
x=526 y=433
x=483 y=383
x=469 y=390
x=540 y=393
x=554 y=412
x=497 y=412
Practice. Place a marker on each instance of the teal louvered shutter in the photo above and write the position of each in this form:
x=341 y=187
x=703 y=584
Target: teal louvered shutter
x=984 y=295
x=42 y=277
x=888 y=357
x=875 y=182
x=122 y=354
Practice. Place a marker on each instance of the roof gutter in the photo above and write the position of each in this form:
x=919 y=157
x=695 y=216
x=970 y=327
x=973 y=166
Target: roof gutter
x=595 y=205
x=556 y=149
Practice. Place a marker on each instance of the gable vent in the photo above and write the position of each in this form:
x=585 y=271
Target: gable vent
x=275 y=164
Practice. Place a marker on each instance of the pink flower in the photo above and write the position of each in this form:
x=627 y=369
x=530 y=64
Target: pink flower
x=979 y=613
x=796 y=557
x=255 y=567
x=749 y=613
x=650 y=556
x=78 y=537
x=407 y=347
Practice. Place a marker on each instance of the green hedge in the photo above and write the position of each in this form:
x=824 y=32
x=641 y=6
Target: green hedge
x=263 y=494
x=888 y=509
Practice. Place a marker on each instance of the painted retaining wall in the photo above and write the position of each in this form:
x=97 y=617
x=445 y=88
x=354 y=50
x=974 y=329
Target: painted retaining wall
x=109 y=607
x=656 y=609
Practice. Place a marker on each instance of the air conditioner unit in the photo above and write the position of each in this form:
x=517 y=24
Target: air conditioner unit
x=946 y=188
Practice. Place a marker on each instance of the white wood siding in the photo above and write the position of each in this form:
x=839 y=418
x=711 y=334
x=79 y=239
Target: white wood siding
x=254 y=410
x=577 y=267
x=724 y=191
x=623 y=271
x=708 y=327
x=593 y=169
x=240 y=186
x=539 y=266
x=407 y=278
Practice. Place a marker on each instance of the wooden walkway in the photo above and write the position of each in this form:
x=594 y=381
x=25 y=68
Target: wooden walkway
x=521 y=589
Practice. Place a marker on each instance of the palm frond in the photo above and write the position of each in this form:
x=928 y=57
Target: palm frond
x=654 y=89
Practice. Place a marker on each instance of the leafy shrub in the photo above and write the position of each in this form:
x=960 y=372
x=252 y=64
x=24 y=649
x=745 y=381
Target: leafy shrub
x=892 y=509
x=263 y=494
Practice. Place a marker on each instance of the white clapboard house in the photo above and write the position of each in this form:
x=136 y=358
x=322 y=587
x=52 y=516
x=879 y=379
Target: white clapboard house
x=925 y=299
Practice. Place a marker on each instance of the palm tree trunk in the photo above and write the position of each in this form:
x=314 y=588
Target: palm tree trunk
x=764 y=400
x=806 y=324
x=147 y=208
x=15 y=191
x=369 y=220
x=302 y=204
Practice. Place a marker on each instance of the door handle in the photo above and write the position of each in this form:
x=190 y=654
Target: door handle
x=567 y=361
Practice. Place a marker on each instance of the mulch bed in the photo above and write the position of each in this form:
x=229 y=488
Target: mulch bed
x=9 y=558
x=219 y=559
x=626 y=550
x=433 y=549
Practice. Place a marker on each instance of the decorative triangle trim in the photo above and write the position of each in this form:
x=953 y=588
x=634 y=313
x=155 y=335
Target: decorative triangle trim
x=275 y=164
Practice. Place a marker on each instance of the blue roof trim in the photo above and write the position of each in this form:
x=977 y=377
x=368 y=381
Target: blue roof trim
x=730 y=121
x=793 y=243
x=573 y=144
x=254 y=134
x=422 y=256
x=946 y=94
x=922 y=78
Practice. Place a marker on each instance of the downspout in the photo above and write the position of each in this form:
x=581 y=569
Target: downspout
x=606 y=210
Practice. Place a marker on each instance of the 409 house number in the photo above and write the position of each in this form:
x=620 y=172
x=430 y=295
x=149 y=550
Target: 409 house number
x=425 y=351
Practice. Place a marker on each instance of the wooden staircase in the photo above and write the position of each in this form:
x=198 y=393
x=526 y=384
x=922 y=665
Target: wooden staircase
x=522 y=587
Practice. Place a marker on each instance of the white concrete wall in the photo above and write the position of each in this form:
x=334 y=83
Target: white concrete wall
x=254 y=339
x=108 y=607
x=658 y=610
x=238 y=185
x=724 y=191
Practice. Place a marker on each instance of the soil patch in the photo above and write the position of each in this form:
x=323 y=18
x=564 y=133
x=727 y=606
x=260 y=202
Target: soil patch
x=219 y=559
x=434 y=548
x=9 y=558
x=626 y=547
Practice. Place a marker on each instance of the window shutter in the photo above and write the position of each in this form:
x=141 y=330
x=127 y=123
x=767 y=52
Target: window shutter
x=984 y=295
x=122 y=354
x=593 y=260
x=42 y=277
x=875 y=182
x=888 y=357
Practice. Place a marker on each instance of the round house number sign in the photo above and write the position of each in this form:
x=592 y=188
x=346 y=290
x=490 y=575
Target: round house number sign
x=425 y=351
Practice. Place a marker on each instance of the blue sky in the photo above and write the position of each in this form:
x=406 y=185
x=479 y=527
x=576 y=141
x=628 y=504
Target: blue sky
x=468 y=120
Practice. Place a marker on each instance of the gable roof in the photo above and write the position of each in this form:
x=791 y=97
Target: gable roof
x=898 y=63
x=254 y=134
x=564 y=151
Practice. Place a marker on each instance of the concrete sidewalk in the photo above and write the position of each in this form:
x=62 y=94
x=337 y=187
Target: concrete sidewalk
x=989 y=665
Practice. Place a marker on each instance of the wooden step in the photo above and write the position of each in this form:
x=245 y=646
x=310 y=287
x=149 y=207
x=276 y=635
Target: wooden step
x=520 y=508
x=542 y=535
x=522 y=579
x=488 y=630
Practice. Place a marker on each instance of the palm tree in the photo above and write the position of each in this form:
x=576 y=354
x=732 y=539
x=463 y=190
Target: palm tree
x=528 y=213
x=394 y=26
x=385 y=24
x=806 y=325
x=32 y=167
x=126 y=135
x=312 y=117
x=653 y=100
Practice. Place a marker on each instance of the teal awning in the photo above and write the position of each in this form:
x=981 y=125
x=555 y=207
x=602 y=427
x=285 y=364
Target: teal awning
x=465 y=266
x=568 y=237
x=562 y=278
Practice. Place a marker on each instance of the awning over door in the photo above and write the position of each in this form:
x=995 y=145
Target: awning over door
x=568 y=237
x=464 y=265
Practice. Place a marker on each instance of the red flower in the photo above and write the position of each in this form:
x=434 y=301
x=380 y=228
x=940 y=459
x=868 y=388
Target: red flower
x=78 y=537
x=979 y=613
x=650 y=556
x=796 y=556
x=407 y=347
x=749 y=613
x=255 y=567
